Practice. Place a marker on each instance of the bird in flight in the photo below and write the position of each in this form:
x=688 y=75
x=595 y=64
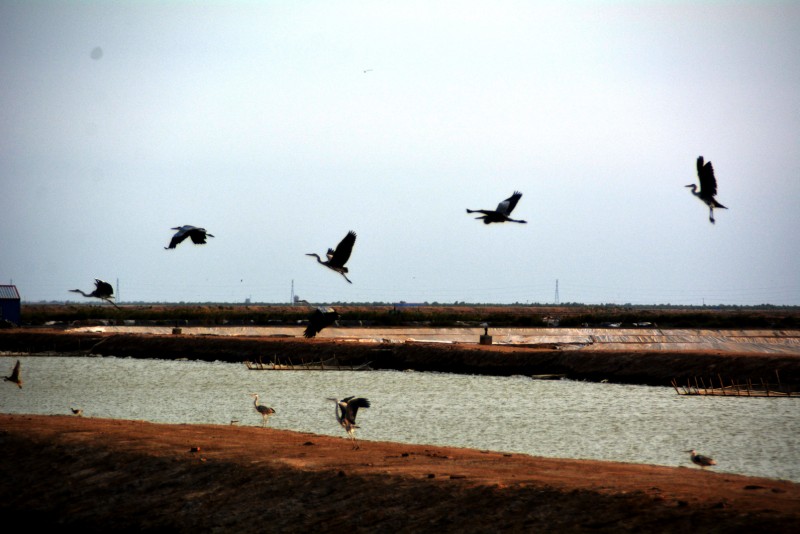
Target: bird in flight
x=501 y=214
x=198 y=235
x=346 y=410
x=265 y=411
x=321 y=318
x=708 y=187
x=102 y=290
x=699 y=459
x=337 y=258
x=14 y=376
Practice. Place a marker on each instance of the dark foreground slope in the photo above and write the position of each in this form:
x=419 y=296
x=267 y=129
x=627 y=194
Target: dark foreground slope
x=103 y=475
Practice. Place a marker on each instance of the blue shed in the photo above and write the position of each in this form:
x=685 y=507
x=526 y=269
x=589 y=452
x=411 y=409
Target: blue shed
x=10 y=304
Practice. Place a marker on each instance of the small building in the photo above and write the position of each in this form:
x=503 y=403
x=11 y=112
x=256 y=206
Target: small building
x=10 y=304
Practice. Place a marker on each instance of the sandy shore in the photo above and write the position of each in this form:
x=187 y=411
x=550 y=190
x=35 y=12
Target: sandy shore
x=97 y=474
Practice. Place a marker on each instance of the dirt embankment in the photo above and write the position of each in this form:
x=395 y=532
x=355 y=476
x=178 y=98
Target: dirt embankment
x=103 y=475
x=633 y=366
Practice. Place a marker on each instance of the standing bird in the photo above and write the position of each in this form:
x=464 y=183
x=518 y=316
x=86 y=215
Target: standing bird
x=102 y=290
x=14 y=376
x=501 y=214
x=708 y=187
x=265 y=411
x=346 y=410
x=198 y=235
x=77 y=411
x=321 y=318
x=699 y=459
x=337 y=258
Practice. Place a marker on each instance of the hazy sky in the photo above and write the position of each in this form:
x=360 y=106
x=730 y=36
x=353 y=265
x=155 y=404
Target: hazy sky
x=279 y=126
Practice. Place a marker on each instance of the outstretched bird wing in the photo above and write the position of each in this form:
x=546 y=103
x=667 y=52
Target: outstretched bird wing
x=199 y=235
x=343 y=250
x=708 y=183
x=180 y=235
x=102 y=288
x=508 y=205
x=353 y=405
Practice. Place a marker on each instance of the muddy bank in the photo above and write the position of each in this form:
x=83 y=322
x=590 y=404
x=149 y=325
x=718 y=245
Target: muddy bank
x=653 y=367
x=99 y=474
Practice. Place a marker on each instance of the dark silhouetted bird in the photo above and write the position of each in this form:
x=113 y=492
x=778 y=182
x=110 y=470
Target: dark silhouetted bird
x=102 y=290
x=14 y=376
x=699 y=459
x=337 y=258
x=198 y=235
x=265 y=411
x=321 y=318
x=708 y=187
x=501 y=214
x=346 y=410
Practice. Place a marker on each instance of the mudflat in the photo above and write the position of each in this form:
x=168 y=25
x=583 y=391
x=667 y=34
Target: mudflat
x=100 y=474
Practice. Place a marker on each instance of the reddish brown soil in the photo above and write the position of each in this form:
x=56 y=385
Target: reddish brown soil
x=96 y=474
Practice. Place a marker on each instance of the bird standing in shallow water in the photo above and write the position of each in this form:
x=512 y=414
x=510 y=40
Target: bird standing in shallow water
x=265 y=411
x=699 y=459
x=501 y=214
x=198 y=235
x=346 y=410
x=708 y=187
x=337 y=258
x=14 y=376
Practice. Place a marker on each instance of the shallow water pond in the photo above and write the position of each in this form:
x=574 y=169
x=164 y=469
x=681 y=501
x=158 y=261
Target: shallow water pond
x=564 y=419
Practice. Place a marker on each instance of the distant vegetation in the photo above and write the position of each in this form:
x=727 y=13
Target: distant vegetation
x=459 y=314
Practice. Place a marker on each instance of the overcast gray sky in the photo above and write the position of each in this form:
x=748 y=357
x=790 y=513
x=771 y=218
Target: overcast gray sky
x=279 y=126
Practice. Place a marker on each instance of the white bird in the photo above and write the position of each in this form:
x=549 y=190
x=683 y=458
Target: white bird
x=708 y=187
x=337 y=258
x=198 y=235
x=699 y=459
x=265 y=411
x=102 y=290
x=501 y=214
x=346 y=410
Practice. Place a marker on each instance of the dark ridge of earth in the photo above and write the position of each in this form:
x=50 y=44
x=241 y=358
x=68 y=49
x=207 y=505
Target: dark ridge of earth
x=100 y=475
x=651 y=367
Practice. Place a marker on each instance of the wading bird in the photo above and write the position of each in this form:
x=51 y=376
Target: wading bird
x=102 y=291
x=346 y=410
x=265 y=411
x=198 y=235
x=77 y=411
x=337 y=258
x=14 y=376
x=699 y=459
x=708 y=187
x=501 y=214
x=321 y=318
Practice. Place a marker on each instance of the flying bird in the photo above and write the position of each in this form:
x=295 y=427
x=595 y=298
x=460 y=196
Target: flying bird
x=708 y=187
x=501 y=214
x=198 y=235
x=265 y=411
x=699 y=459
x=346 y=410
x=337 y=258
x=14 y=376
x=321 y=318
x=102 y=291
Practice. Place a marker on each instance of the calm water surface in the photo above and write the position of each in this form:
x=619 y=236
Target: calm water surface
x=563 y=419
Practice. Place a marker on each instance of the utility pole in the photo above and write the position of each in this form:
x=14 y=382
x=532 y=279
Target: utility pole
x=557 y=300
x=118 y=300
x=291 y=299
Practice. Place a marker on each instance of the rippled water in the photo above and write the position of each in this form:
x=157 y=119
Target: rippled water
x=564 y=419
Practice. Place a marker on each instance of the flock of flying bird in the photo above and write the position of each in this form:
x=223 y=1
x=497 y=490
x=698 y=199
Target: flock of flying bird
x=347 y=408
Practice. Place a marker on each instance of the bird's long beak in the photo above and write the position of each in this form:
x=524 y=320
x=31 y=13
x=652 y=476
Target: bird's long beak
x=690 y=185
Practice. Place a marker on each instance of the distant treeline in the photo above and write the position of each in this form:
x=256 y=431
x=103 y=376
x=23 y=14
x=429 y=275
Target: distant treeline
x=402 y=314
